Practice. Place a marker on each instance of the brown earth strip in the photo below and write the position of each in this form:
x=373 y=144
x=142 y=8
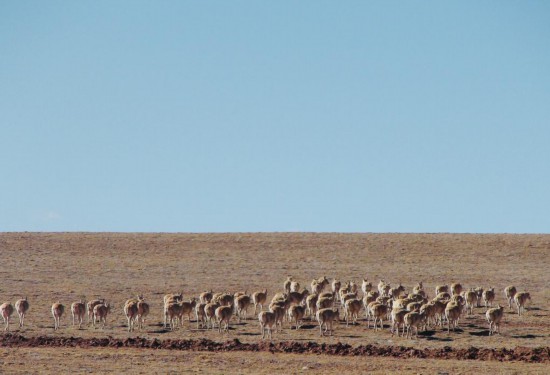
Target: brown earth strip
x=522 y=354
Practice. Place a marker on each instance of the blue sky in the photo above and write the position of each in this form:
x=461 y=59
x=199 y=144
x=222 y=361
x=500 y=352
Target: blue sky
x=218 y=116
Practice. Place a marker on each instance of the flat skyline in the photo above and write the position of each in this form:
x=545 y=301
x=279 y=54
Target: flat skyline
x=136 y=116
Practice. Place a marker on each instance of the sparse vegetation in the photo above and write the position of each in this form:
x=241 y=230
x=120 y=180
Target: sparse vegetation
x=98 y=259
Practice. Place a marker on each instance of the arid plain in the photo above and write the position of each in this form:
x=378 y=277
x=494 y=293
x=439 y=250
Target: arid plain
x=64 y=267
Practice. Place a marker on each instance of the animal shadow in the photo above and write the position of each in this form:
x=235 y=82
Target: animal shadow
x=441 y=339
x=352 y=336
x=529 y=336
x=456 y=330
x=426 y=333
x=484 y=332
x=159 y=331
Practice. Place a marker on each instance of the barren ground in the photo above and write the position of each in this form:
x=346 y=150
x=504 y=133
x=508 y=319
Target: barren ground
x=50 y=267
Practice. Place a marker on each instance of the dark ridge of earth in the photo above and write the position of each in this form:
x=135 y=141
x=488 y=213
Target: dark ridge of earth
x=522 y=354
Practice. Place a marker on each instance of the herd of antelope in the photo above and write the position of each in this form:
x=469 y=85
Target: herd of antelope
x=408 y=311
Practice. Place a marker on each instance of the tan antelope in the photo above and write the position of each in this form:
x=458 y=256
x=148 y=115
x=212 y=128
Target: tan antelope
x=6 y=309
x=187 y=308
x=296 y=298
x=223 y=316
x=353 y=307
x=210 y=314
x=429 y=312
x=489 y=297
x=200 y=314
x=494 y=316
x=441 y=289
x=398 y=319
x=78 y=311
x=267 y=321
x=22 y=306
x=100 y=313
x=294 y=286
x=336 y=285
x=142 y=312
x=311 y=304
x=279 y=312
x=131 y=312
x=510 y=292
x=206 y=297
x=241 y=305
x=90 y=307
x=326 y=317
x=456 y=289
x=453 y=311
x=521 y=299
x=57 y=311
x=287 y=283
x=259 y=299
x=296 y=314
x=167 y=300
x=378 y=311
x=471 y=300
x=366 y=286
x=413 y=319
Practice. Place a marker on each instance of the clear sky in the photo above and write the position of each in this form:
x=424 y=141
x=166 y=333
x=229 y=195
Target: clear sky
x=222 y=116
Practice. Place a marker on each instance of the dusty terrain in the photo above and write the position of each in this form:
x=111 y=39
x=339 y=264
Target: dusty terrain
x=50 y=267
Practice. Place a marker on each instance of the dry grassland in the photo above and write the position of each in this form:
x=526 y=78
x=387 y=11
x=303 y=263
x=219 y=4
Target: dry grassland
x=50 y=267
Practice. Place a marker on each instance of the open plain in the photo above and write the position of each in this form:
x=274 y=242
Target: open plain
x=65 y=267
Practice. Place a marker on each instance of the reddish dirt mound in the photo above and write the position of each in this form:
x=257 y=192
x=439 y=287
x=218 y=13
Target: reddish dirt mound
x=532 y=355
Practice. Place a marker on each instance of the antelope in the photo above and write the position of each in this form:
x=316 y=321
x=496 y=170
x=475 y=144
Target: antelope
x=326 y=317
x=6 y=309
x=452 y=313
x=242 y=304
x=488 y=297
x=78 y=311
x=91 y=304
x=100 y=313
x=521 y=299
x=206 y=297
x=441 y=289
x=336 y=285
x=296 y=313
x=456 y=288
x=22 y=306
x=510 y=292
x=259 y=299
x=311 y=304
x=287 y=283
x=267 y=320
x=494 y=316
x=223 y=315
x=200 y=314
x=352 y=306
x=471 y=299
x=296 y=298
x=366 y=286
x=57 y=311
x=131 y=312
x=397 y=318
x=210 y=313
x=142 y=312
x=294 y=286
x=413 y=319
